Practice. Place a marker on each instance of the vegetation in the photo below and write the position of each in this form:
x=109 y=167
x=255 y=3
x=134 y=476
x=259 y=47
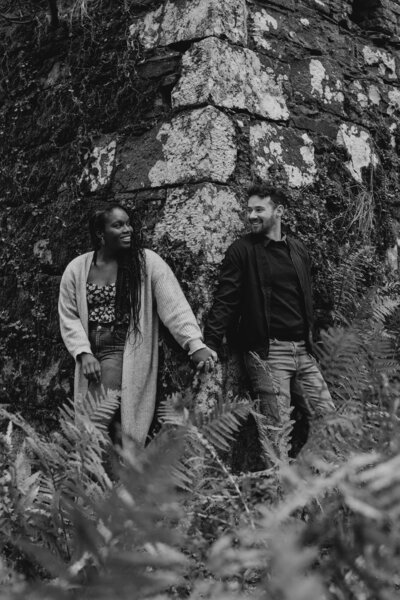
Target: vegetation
x=181 y=519
x=60 y=89
x=174 y=520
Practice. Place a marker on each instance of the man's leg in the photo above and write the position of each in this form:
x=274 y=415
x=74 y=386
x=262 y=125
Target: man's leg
x=270 y=381
x=310 y=385
x=312 y=388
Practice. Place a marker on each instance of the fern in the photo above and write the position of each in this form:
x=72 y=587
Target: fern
x=177 y=515
x=275 y=440
x=45 y=475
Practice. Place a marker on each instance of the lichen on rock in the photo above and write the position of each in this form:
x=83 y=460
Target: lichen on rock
x=358 y=144
x=272 y=145
x=262 y=24
x=383 y=60
x=196 y=145
x=182 y=20
x=394 y=101
x=207 y=218
x=214 y=71
x=328 y=89
x=42 y=252
x=99 y=165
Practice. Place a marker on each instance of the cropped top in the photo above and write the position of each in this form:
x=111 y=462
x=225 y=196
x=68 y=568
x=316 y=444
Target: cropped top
x=101 y=303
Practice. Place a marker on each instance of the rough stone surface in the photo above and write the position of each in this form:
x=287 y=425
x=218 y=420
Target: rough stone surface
x=383 y=61
x=272 y=145
x=214 y=71
x=358 y=144
x=58 y=74
x=42 y=252
x=266 y=28
x=366 y=94
x=393 y=101
x=194 y=146
x=184 y=20
x=321 y=86
x=207 y=218
x=318 y=81
x=276 y=31
x=99 y=165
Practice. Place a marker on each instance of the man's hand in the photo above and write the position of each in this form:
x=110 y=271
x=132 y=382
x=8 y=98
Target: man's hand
x=204 y=359
x=90 y=366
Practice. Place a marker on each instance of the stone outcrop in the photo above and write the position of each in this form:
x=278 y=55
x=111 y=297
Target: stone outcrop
x=308 y=65
x=303 y=93
x=194 y=146
x=247 y=84
x=187 y=20
x=290 y=91
x=292 y=150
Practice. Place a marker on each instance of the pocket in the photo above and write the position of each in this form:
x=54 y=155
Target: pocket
x=120 y=336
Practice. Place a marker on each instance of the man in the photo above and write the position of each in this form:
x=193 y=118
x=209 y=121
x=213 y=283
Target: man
x=265 y=288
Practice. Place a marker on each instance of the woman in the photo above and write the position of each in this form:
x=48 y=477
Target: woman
x=109 y=305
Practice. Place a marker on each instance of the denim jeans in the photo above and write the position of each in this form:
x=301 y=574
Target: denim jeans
x=107 y=344
x=289 y=369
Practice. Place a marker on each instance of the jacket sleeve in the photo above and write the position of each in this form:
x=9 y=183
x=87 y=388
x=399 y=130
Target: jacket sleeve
x=226 y=300
x=172 y=306
x=72 y=330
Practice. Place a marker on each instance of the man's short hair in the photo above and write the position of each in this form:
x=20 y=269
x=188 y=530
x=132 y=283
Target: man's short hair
x=277 y=195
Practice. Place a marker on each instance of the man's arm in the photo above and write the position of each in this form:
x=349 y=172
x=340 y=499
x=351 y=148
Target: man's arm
x=226 y=301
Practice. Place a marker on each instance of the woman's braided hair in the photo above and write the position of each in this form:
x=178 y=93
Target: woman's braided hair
x=131 y=268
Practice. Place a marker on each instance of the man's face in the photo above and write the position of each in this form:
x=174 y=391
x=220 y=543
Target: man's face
x=263 y=215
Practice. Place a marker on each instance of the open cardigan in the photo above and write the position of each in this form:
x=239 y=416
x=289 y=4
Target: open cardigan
x=161 y=297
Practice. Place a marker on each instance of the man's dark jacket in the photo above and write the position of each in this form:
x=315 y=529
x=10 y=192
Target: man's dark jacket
x=243 y=297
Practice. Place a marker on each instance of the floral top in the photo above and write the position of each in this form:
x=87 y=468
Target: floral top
x=101 y=302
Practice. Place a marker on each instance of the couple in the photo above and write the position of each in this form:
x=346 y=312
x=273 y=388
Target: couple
x=111 y=300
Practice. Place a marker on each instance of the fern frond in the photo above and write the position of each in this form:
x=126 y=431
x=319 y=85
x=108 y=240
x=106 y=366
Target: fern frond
x=348 y=282
x=340 y=357
x=221 y=430
x=383 y=307
x=96 y=408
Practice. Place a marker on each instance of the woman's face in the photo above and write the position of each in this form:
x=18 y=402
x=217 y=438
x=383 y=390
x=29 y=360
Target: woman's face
x=117 y=234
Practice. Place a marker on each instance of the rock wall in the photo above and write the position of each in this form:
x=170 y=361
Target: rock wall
x=304 y=93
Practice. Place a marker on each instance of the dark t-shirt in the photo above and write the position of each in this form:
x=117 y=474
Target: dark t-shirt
x=287 y=303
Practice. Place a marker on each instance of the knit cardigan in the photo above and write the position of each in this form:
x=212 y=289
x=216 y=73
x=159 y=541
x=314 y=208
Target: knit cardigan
x=161 y=297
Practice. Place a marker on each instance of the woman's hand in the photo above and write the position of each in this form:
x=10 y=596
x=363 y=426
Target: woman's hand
x=90 y=366
x=204 y=359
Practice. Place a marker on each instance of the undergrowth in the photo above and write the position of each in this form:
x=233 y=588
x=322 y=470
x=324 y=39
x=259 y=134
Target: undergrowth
x=174 y=521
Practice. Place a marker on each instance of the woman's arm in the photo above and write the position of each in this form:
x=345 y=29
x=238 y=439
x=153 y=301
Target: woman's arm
x=172 y=306
x=71 y=327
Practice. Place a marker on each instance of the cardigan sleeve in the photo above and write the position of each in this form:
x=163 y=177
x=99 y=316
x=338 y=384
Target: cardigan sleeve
x=72 y=330
x=172 y=306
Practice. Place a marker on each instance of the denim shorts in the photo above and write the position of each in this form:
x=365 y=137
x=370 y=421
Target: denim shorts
x=107 y=343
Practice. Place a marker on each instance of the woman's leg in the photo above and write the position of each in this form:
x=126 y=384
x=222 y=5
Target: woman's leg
x=108 y=347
